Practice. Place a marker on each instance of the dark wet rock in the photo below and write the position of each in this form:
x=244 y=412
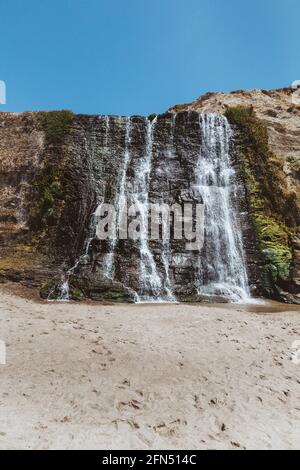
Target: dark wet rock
x=71 y=177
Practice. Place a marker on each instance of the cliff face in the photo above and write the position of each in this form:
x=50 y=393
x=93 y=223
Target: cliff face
x=57 y=168
x=275 y=110
x=21 y=157
x=277 y=154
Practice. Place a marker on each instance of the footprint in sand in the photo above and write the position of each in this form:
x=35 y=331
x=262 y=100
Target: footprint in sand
x=171 y=428
x=129 y=405
x=105 y=353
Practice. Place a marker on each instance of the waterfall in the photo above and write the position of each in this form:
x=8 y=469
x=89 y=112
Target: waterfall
x=222 y=263
x=119 y=203
x=166 y=245
x=106 y=119
x=166 y=264
x=156 y=157
x=151 y=285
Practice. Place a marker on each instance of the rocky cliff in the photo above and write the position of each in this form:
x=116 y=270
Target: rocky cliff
x=57 y=168
x=267 y=132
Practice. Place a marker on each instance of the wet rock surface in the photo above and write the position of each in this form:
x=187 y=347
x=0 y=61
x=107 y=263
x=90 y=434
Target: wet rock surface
x=280 y=115
x=90 y=161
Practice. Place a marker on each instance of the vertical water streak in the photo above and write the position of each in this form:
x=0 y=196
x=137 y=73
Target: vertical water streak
x=165 y=256
x=150 y=282
x=119 y=204
x=222 y=266
x=166 y=246
x=62 y=289
x=221 y=262
x=107 y=123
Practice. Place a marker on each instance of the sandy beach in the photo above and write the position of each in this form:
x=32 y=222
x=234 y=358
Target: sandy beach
x=94 y=376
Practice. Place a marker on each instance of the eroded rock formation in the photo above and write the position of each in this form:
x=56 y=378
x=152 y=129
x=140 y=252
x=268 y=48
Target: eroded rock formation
x=56 y=169
x=267 y=134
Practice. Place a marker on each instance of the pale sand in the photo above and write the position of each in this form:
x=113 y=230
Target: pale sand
x=147 y=376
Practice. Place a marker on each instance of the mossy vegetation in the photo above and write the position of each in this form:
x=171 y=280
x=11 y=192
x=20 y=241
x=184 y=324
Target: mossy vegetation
x=21 y=258
x=47 y=189
x=46 y=199
x=49 y=290
x=33 y=255
x=273 y=208
x=57 y=125
x=152 y=116
x=76 y=294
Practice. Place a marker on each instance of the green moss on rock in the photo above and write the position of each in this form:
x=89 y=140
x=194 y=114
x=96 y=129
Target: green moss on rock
x=46 y=187
x=57 y=125
x=46 y=198
x=75 y=293
x=273 y=208
x=21 y=258
x=152 y=116
x=112 y=294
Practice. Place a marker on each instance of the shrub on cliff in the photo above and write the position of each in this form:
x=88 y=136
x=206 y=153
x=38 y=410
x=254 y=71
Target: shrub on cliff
x=57 y=125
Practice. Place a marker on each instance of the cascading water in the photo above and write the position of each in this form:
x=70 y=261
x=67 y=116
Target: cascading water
x=161 y=158
x=222 y=263
x=151 y=285
x=165 y=256
x=119 y=203
x=166 y=245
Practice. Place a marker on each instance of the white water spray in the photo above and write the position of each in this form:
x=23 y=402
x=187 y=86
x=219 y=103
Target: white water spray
x=222 y=265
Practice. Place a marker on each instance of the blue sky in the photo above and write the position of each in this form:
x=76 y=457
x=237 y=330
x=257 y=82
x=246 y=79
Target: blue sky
x=142 y=56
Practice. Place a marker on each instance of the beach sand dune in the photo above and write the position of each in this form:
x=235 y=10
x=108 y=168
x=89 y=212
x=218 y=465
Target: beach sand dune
x=94 y=376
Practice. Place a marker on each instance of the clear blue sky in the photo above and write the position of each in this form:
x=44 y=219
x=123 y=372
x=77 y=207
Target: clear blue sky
x=142 y=56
